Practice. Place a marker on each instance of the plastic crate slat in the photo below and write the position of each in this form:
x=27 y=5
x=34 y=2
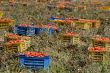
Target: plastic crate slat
x=37 y=61
x=34 y=67
x=31 y=63
x=21 y=31
x=33 y=59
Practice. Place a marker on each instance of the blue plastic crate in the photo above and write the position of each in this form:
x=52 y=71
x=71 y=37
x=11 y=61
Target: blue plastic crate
x=34 y=62
x=52 y=18
x=38 y=30
x=26 y=31
x=41 y=30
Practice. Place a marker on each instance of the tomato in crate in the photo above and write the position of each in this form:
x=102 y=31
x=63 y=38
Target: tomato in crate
x=34 y=60
x=11 y=36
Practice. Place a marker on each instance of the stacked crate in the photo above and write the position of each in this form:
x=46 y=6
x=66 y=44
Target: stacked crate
x=98 y=54
x=16 y=46
x=86 y=24
x=11 y=36
x=99 y=49
x=77 y=23
x=70 y=37
x=24 y=29
x=102 y=42
x=34 y=60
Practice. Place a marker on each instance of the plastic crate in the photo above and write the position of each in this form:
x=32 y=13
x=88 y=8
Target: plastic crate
x=15 y=46
x=102 y=42
x=4 y=23
x=105 y=8
x=1 y=14
x=10 y=36
x=37 y=30
x=98 y=54
x=45 y=28
x=70 y=37
x=53 y=18
x=33 y=62
x=24 y=30
x=27 y=40
x=85 y=23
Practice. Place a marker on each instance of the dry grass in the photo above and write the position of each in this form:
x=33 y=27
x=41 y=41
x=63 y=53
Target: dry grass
x=64 y=59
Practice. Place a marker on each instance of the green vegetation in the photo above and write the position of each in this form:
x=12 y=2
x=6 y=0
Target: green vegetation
x=64 y=59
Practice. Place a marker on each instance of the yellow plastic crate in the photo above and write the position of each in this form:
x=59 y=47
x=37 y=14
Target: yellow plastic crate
x=98 y=54
x=4 y=23
x=15 y=46
x=1 y=14
x=10 y=36
x=12 y=22
x=102 y=42
x=70 y=37
x=106 y=8
x=27 y=40
x=86 y=24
